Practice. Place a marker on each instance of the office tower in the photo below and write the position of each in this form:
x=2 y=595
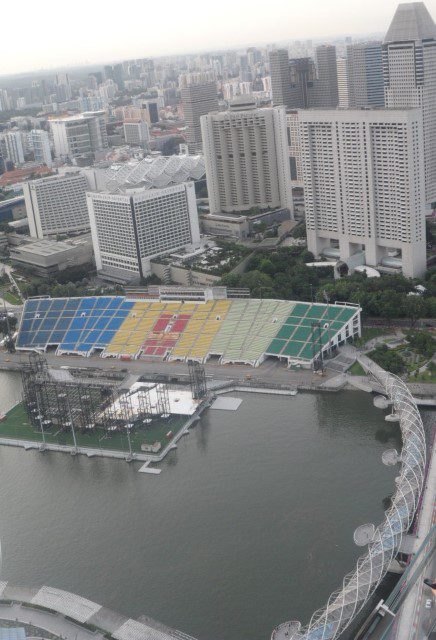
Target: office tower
x=409 y=69
x=297 y=84
x=152 y=110
x=365 y=75
x=303 y=80
x=133 y=226
x=56 y=204
x=13 y=147
x=107 y=91
x=280 y=78
x=5 y=100
x=95 y=78
x=325 y=91
x=341 y=64
x=108 y=72
x=246 y=158
x=92 y=82
x=136 y=132
x=79 y=135
x=39 y=142
x=363 y=175
x=63 y=87
x=118 y=76
x=199 y=97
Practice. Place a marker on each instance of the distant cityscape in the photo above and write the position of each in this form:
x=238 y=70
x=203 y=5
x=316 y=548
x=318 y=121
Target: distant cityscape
x=319 y=133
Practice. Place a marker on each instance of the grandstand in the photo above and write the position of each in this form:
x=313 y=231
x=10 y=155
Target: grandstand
x=233 y=330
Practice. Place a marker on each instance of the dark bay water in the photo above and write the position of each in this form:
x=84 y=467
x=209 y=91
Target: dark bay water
x=249 y=524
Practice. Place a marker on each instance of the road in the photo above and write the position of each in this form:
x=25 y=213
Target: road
x=271 y=371
x=8 y=270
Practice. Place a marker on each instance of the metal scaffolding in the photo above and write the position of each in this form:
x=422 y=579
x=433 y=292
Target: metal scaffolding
x=69 y=404
x=197 y=379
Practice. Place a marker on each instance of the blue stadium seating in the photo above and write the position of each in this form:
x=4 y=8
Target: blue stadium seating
x=74 y=324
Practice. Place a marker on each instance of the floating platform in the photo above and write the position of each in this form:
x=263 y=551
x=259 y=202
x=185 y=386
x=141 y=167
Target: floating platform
x=146 y=469
x=226 y=403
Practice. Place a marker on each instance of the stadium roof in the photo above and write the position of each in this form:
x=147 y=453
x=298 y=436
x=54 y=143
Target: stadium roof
x=156 y=172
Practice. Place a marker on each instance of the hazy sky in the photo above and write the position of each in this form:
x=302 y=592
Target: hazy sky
x=52 y=33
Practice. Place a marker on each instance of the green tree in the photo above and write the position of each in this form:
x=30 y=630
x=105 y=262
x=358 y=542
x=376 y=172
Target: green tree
x=423 y=342
x=388 y=359
x=260 y=284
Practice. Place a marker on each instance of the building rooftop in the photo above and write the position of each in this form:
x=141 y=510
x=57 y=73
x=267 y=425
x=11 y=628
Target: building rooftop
x=51 y=247
x=411 y=21
x=17 y=175
x=157 y=172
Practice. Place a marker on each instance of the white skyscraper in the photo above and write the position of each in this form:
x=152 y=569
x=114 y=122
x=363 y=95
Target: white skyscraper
x=56 y=204
x=409 y=69
x=132 y=226
x=39 y=142
x=79 y=135
x=247 y=158
x=13 y=145
x=341 y=64
x=363 y=176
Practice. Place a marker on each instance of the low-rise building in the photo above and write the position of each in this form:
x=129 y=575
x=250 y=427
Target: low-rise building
x=240 y=226
x=47 y=257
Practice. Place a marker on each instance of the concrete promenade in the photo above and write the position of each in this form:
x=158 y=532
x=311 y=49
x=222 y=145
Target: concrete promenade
x=73 y=617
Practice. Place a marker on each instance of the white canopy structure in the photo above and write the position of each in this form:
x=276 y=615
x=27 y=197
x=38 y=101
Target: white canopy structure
x=155 y=172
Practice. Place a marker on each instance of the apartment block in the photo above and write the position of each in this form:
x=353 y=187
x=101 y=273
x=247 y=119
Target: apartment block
x=247 y=158
x=363 y=176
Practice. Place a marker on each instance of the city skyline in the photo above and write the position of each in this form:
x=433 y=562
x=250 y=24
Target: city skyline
x=193 y=27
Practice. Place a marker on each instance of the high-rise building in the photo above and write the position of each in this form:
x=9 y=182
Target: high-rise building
x=409 y=69
x=280 y=78
x=298 y=84
x=118 y=76
x=344 y=102
x=365 y=75
x=325 y=90
x=152 y=110
x=79 y=135
x=363 y=175
x=13 y=147
x=39 y=142
x=246 y=157
x=133 y=226
x=63 y=87
x=136 y=132
x=303 y=80
x=199 y=97
x=56 y=204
